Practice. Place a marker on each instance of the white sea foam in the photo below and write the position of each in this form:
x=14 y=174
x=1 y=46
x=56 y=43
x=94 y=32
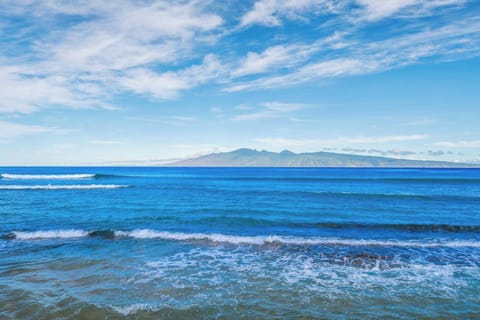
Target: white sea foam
x=62 y=187
x=50 y=234
x=134 y=308
x=314 y=276
x=47 y=176
x=250 y=240
x=261 y=240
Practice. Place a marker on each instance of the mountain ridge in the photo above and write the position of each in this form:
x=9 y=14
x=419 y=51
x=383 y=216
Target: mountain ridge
x=245 y=157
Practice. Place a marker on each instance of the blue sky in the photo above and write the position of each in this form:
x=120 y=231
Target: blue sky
x=93 y=82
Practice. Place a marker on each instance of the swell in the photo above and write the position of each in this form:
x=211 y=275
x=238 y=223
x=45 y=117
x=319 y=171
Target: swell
x=402 y=227
x=47 y=176
x=409 y=227
x=365 y=195
x=233 y=239
x=73 y=176
x=427 y=180
x=62 y=187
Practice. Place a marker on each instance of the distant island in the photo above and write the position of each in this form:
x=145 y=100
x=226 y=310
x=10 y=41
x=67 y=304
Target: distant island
x=253 y=158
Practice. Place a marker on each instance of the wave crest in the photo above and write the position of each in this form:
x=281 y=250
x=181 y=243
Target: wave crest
x=288 y=240
x=236 y=239
x=47 y=176
x=63 y=187
x=50 y=234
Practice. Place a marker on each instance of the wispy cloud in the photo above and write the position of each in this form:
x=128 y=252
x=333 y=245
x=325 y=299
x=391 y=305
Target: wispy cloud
x=390 y=152
x=105 y=142
x=272 y=13
x=460 y=144
x=276 y=106
x=276 y=57
x=23 y=92
x=110 y=48
x=340 y=141
x=420 y=122
x=378 y=9
x=170 y=120
x=160 y=49
x=10 y=130
x=216 y=109
x=167 y=85
x=270 y=109
x=363 y=57
x=324 y=69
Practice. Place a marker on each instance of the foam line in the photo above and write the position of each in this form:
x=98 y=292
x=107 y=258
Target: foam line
x=62 y=187
x=233 y=239
x=47 y=176
x=50 y=234
x=261 y=240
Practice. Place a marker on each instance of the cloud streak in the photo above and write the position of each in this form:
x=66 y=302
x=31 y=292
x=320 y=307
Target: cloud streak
x=271 y=109
x=340 y=141
x=460 y=144
x=9 y=130
x=273 y=13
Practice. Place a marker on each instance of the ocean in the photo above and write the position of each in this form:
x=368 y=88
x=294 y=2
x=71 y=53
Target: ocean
x=249 y=243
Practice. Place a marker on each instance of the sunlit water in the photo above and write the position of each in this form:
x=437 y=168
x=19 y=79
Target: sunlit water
x=225 y=243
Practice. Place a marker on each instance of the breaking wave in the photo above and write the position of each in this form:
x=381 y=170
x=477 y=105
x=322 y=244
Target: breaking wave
x=48 y=234
x=62 y=187
x=47 y=176
x=236 y=239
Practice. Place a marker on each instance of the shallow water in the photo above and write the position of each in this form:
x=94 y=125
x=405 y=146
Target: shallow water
x=79 y=243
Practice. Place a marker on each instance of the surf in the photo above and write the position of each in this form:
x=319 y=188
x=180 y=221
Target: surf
x=62 y=187
x=235 y=239
x=47 y=176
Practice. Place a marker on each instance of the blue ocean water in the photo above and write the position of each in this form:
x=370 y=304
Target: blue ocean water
x=253 y=243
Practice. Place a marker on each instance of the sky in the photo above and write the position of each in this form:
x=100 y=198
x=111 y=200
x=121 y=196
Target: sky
x=105 y=82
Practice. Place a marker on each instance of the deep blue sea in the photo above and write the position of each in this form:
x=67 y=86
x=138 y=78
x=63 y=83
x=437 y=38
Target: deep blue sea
x=250 y=243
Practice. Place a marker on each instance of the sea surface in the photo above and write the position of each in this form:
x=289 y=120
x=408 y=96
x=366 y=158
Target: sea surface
x=249 y=243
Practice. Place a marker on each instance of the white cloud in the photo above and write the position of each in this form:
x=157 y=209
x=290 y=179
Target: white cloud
x=420 y=122
x=88 y=62
x=105 y=142
x=10 y=130
x=270 y=12
x=271 y=109
x=384 y=139
x=144 y=81
x=283 y=107
x=170 y=121
x=273 y=57
x=443 y=43
x=168 y=84
x=378 y=9
x=340 y=141
x=154 y=48
x=130 y=35
x=460 y=144
x=283 y=57
x=22 y=93
x=324 y=69
x=254 y=116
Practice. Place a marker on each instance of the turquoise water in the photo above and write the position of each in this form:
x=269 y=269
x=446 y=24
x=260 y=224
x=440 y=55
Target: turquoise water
x=249 y=243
